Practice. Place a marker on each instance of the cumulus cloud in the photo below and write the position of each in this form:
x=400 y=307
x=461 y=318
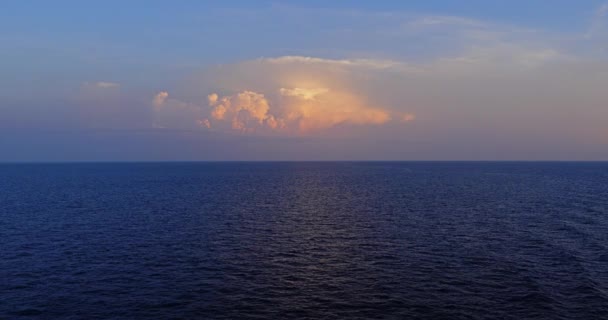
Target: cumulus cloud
x=320 y=108
x=289 y=95
x=243 y=111
x=294 y=110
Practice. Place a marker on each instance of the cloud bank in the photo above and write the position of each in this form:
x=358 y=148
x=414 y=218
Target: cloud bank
x=289 y=95
x=296 y=110
x=511 y=93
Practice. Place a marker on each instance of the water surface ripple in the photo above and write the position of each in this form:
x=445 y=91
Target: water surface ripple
x=304 y=240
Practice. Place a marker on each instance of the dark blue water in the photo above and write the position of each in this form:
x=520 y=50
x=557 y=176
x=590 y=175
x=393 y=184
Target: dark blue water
x=304 y=240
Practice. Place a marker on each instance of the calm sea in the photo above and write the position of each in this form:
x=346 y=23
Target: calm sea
x=388 y=240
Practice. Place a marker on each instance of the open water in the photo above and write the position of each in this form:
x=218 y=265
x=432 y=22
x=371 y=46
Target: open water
x=343 y=240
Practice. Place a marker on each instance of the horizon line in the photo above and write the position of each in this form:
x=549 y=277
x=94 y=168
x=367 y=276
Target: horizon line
x=286 y=161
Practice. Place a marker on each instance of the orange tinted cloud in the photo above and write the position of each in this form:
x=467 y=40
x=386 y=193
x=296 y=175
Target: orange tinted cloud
x=243 y=110
x=316 y=109
x=295 y=110
x=289 y=96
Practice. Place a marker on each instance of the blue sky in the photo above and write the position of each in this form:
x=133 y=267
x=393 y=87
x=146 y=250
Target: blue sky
x=95 y=68
x=198 y=32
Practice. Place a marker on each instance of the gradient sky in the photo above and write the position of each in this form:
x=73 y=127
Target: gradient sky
x=303 y=80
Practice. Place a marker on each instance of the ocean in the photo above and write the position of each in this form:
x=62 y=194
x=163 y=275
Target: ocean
x=304 y=240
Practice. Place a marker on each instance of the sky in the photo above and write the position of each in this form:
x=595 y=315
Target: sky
x=303 y=80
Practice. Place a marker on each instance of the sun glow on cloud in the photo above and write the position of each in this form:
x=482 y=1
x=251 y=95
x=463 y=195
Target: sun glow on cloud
x=297 y=97
x=296 y=110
